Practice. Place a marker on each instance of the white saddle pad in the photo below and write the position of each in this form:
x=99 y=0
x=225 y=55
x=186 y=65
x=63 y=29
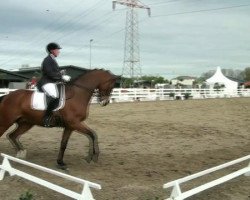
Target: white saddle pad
x=38 y=100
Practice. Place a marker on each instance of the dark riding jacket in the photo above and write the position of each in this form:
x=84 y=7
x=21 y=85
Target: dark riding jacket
x=50 y=71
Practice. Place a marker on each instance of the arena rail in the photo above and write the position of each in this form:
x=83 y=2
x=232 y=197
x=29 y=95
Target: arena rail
x=84 y=195
x=152 y=94
x=177 y=194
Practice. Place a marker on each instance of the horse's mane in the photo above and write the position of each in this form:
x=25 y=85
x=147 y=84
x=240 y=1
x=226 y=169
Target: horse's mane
x=88 y=72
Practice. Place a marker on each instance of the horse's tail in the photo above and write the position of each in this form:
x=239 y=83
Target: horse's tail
x=2 y=97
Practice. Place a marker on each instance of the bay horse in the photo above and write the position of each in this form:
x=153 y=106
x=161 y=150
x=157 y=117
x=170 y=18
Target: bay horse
x=15 y=108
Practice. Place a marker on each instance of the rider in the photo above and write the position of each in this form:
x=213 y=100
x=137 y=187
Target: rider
x=51 y=74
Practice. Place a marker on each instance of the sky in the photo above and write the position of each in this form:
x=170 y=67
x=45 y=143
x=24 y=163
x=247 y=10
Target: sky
x=182 y=37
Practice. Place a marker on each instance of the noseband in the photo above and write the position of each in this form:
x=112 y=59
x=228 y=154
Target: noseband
x=98 y=94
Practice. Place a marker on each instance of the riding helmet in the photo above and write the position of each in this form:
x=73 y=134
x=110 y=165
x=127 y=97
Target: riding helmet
x=52 y=46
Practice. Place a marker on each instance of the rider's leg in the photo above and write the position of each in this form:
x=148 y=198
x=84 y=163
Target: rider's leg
x=51 y=105
x=52 y=101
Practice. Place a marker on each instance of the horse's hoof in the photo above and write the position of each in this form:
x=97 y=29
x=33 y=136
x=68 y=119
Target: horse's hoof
x=95 y=158
x=88 y=159
x=21 y=154
x=62 y=167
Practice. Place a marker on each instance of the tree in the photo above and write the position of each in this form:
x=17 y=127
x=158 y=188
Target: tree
x=199 y=81
x=247 y=74
x=218 y=86
x=129 y=82
x=207 y=75
x=233 y=73
x=155 y=79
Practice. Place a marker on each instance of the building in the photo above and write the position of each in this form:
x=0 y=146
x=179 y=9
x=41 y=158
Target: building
x=247 y=84
x=183 y=81
x=8 y=79
x=30 y=72
x=71 y=70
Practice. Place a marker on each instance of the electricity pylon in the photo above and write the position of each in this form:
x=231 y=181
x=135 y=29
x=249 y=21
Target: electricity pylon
x=131 y=63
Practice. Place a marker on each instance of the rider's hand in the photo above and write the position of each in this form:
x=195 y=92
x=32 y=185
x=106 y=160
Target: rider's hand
x=66 y=78
x=63 y=72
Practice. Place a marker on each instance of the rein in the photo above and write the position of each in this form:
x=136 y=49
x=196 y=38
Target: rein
x=90 y=90
x=83 y=87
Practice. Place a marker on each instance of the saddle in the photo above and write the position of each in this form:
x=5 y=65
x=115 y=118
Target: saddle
x=39 y=100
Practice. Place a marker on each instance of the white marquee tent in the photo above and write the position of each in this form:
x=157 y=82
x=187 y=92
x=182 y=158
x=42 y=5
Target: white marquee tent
x=218 y=77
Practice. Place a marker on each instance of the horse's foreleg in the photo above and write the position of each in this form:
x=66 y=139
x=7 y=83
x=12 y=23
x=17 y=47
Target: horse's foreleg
x=93 y=141
x=14 y=136
x=64 y=142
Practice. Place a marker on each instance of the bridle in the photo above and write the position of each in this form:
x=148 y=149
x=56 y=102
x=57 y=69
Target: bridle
x=83 y=87
x=95 y=92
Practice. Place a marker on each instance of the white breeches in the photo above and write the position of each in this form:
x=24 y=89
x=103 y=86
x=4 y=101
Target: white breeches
x=51 y=90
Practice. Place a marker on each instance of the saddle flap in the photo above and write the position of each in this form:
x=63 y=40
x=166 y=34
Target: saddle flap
x=38 y=99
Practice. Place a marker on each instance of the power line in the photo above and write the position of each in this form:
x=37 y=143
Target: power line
x=55 y=21
x=199 y=11
x=180 y=13
x=75 y=19
x=103 y=21
x=104 y=18
x=84 y=14
x=164 y=2
x=157 y=16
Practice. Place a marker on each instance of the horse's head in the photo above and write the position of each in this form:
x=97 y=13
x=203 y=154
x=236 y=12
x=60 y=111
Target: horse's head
x=107 y=83
x=98 y=80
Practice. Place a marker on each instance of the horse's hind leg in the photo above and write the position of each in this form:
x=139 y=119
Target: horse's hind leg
x=14 y=136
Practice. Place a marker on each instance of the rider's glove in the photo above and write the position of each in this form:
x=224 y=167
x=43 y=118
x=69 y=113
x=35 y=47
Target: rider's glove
x=63 y=72
x=66 y=78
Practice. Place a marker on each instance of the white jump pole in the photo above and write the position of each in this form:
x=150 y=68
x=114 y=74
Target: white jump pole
x=177 y=194
x=84 y=195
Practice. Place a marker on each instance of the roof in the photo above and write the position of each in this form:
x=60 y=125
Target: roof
x=74 y=67
x=184 y=78
x=235 y=79
x=30 y=69
x=219 y=77
x=13 y=74
x=72 y=71
x=247 y=83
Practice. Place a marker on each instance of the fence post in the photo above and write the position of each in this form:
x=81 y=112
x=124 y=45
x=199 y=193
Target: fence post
x=248 y=173
x=86 y=193
x=176 y=191
x=5 y=167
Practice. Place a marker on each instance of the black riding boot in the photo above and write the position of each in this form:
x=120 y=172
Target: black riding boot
x=51 y=105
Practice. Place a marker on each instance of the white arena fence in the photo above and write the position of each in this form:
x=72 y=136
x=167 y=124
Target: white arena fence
x=138 y=94
x=177 y=194
x=4 y=91
x=84 y=195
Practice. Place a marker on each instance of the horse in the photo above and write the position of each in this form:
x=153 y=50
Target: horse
x=15 y=108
